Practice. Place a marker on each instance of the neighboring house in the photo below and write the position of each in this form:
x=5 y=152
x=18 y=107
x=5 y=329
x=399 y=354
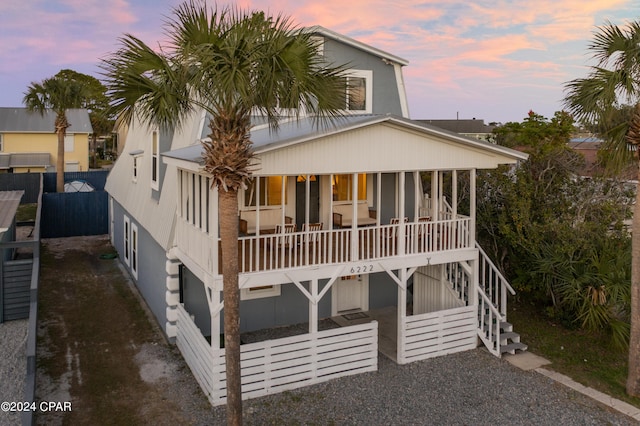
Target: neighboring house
x=470 y=128
x=28 y=142
x=588 y=146
x=339 y=222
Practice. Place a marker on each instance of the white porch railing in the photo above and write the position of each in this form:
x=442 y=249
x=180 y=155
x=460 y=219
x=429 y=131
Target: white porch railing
x=437 y=333
x=297 y=249
x=492 y=302
x=493 y=283
x=489 y=319
x=278 y=365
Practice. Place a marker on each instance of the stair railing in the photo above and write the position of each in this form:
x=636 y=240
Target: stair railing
x=492 y=283
x=489 y=323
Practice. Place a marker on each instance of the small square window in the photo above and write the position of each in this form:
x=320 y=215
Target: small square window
x=260 y=292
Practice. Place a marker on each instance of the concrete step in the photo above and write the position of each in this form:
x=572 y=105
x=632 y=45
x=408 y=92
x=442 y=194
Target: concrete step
x=505 y=336
x=513 y=347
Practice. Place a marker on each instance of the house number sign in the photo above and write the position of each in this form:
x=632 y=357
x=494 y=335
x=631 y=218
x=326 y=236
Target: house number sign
x=361 y=269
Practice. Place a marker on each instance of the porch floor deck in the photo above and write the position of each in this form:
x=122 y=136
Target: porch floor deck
x=387 y=318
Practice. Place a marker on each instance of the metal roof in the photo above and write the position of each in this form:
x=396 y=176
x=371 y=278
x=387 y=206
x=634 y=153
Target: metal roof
x=298 y=131
x=25 y=159
x=21 y=120
x=9 y=202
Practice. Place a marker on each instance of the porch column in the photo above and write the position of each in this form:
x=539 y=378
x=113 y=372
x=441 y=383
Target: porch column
x=313 y=306
x=213 y=222
x=283 y=194
x=402 y=227
x=214 y=313
x=441 y=198
x=354 y=217
x=258 y=191
x=307 y=190
x=434 y=195
x=472 y=207
x=417 y=195
x=454 y=193
x=402 y=313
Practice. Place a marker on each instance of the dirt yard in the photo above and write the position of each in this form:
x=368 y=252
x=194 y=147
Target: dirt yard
x=98 y=347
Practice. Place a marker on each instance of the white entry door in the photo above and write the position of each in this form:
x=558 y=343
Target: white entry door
x=350 y=293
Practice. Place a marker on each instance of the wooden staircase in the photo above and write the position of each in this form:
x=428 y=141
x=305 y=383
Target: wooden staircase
x=496 y=333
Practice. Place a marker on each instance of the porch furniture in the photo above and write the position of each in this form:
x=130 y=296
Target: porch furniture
x=343 y=215
x=392 y=231
x=312 y=228
x=285 y=237
x=269 y=218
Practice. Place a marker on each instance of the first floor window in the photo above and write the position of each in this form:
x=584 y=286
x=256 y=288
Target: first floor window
x=127 y=236
x=134 y=250
x=260 y=292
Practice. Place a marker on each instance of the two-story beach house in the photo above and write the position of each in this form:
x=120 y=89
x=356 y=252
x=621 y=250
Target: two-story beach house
x=352 y=239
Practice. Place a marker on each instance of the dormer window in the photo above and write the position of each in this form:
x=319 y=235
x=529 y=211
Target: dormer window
x=359 y=88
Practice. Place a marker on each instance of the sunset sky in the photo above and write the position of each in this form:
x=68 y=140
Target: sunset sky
x=488 y=59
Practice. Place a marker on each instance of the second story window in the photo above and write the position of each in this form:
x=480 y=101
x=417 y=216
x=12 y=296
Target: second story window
x=135 y=169
x=359 y=87
x=69 y=143
x=155 y=160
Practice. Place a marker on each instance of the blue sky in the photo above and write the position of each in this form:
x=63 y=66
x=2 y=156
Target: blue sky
x=487 y=59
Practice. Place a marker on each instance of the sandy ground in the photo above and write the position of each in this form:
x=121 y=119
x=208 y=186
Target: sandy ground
x=100 y=350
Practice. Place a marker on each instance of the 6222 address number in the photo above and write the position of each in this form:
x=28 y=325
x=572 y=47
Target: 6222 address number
x=361 y=269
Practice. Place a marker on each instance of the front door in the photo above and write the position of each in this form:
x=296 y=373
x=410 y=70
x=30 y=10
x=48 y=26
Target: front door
x=350 y=293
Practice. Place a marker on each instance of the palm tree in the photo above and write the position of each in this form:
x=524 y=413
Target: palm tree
x=232 y=64
x=610 y=86
x=59 y=95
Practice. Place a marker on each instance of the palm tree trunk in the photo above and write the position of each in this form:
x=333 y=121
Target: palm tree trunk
x=633 y=376
x=231 y=297
x=60 y=162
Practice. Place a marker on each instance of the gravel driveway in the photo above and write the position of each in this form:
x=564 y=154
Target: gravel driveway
x=470 y=388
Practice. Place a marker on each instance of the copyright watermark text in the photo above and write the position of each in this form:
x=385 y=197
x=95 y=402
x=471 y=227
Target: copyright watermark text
x=42 y=406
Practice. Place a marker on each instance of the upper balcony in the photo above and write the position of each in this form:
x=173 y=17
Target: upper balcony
x=287 y=248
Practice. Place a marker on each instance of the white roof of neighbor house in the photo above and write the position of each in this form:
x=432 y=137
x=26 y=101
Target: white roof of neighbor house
x=21 y=120
x=366 y=143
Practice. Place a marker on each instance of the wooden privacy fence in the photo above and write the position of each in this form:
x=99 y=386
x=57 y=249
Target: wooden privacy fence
x=437 y=333
x=74 y=214
x=278 y=365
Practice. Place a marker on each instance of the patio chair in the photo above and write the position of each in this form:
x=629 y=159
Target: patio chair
x=287 y=239
x=312 y=228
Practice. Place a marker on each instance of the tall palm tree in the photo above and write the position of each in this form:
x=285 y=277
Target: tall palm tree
x=611 y=85
x=232 y=64
x=59 y=95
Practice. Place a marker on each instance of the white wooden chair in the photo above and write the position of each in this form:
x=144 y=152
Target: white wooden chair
x=284 y=237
